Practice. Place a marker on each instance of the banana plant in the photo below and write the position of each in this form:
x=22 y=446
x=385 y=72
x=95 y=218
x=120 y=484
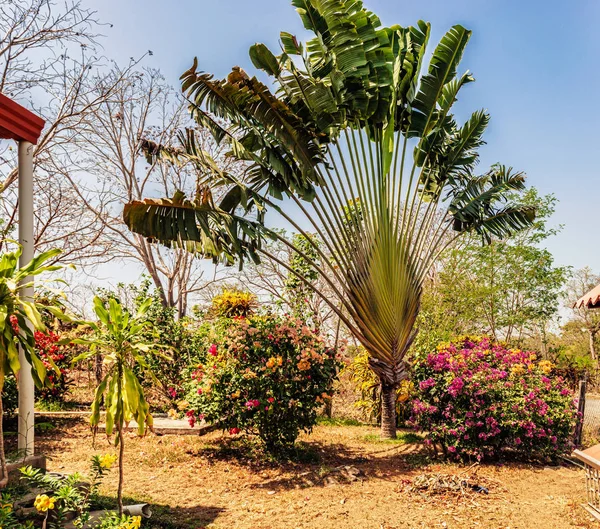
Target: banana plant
x=120 y=337
x=19 y=319
x=357 y=121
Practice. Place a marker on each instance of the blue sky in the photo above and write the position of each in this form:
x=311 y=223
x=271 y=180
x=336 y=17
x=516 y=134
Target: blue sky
x=536 y=65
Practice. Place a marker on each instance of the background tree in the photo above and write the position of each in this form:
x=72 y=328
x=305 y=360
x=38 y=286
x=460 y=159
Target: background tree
x=49 y=62
x=350 y=109
x=509 y=289
x=112 y=170
x=587 y=321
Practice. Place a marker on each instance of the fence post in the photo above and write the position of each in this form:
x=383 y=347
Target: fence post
x=581 y=413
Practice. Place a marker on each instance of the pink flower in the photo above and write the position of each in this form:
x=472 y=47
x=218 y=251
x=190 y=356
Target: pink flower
x=271 y=399
x=426 y=384
x=212 y=350
x=234 y=431
x=199 y=391
x=252 y=404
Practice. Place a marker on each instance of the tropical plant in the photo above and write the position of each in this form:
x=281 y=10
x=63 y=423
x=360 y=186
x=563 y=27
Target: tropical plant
x=120 y=337
x=353 y=123
x=265 y=375
x=478 y=399
x=19 y=319
x=71 y=498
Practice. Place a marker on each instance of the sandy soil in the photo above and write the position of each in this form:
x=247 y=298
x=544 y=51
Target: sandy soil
x=208 y=483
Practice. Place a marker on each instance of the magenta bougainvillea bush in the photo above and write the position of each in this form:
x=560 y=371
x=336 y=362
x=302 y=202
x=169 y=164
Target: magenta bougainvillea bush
x=477 y=400
x=263 y=375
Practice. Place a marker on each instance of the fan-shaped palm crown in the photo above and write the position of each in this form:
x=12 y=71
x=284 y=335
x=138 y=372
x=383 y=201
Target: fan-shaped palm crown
x=360 y=142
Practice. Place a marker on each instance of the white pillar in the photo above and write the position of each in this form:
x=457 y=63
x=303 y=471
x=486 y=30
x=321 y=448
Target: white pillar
x=26 y=386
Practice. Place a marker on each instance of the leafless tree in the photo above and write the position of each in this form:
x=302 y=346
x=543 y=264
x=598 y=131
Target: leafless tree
x=113 y=170
x=48 y=62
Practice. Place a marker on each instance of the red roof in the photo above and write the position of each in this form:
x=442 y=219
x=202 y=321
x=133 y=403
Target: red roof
x=18 y=123
x=591 y=300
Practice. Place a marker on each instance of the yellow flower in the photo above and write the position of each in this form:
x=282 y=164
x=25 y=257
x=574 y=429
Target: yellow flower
x=183 y=405
x=44 y=503
x=6 y=507
x=133 y=523
x=304 y=365
x=546 y=366
x=107 y=460
x=518 y=369
x=279 y=361
x=271 y=362
x=235 y=395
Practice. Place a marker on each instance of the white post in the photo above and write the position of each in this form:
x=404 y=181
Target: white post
x=26 y=386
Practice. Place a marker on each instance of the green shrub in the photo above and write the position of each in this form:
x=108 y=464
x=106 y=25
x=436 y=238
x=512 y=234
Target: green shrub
x=478 y=399
x=10 y=395
x=264 y=375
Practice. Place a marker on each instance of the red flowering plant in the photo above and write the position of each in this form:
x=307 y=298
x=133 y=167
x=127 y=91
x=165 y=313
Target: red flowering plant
x=478 y=399
x=53 y=354
x=264 y=375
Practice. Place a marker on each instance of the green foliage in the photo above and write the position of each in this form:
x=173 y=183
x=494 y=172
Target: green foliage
x=16 y=314
x=265 y=375
x=232 y=303
x=179 y=336
x=72 y=497
x=478 y=399
x=8 y=518
x=119 y=337
x=301 y=271
x=510 y=289
x=368 y=385
x=10 y=395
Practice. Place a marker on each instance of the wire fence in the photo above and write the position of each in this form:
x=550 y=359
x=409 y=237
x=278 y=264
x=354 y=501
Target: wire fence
x=591 y=417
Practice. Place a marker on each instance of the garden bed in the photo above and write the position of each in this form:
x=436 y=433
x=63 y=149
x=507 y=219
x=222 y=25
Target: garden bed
x=342 y=477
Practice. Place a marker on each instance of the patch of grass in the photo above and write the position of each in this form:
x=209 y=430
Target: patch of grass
x=327 y=421
x=403 y=438
x=49 y=405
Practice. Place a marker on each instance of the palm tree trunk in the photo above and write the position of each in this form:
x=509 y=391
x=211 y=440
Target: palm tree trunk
x=4 y=480
x=388 y=412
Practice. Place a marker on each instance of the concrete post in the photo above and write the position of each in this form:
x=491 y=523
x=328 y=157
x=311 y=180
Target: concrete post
x=26 y=386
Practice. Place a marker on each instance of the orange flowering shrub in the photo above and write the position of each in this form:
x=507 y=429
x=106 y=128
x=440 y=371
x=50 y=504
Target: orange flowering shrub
x=264 y=375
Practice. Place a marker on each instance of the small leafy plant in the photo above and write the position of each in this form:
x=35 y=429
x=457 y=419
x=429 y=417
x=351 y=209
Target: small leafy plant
x=71 y=497
x=122 y=340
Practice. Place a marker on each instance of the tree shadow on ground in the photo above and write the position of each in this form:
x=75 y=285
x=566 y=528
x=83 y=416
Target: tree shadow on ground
x=169 y=517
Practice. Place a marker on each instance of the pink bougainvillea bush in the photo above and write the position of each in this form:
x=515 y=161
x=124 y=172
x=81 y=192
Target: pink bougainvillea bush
x=477 y=399
x=264 y=375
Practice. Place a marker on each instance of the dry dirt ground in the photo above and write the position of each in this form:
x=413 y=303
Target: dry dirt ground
x=347 y=479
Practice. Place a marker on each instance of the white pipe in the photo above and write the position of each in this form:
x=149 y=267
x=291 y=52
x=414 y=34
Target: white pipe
x=26 y=386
